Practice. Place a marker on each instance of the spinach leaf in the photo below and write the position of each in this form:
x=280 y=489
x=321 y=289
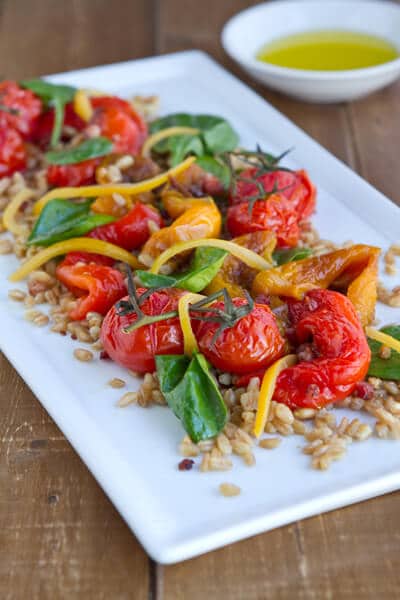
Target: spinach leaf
x=192 y=393
x=91 y=148
x=291 y=254
x=385 y=368
x=216 y=135
x=205 y=265
x=216 y=168
x=53 y=95
x=63 y=219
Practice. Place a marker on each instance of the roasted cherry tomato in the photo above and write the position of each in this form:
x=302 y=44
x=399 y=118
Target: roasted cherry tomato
x=334 y=353
x=82 y=173
x=72 y=258
x=132 y=230
x=42 y=131
x=252 y=343
x=294 y=185
x=25 y=107
x=99 y=287
x=274 y=214
x=119 y=122
x=12 y=149
x=136 y=350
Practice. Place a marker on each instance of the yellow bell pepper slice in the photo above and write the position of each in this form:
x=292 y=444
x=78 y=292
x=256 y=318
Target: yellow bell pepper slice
x=267 y=391
x=152 y=140
x=79 y=244
x=247 y=256
x=189 y=340
x=82 y=105
x=11 y=211
x=384 y=338
x=125 y=189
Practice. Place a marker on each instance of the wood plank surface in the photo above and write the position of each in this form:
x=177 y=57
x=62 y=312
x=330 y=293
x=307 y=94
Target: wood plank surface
x=59 y=535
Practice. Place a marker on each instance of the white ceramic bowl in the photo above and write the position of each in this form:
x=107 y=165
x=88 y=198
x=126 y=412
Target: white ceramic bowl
x=248 y=31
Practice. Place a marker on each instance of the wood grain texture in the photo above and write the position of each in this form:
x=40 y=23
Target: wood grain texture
x=59 y=536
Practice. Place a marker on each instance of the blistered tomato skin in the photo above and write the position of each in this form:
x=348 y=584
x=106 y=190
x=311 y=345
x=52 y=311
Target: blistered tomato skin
x=132 y=230
x=119 y=122
x=12 y=150
x=82 y=173
x=26 y=106
x=252 y=343
x=274 y=214
x=43 y=128
x=339 y=352
x=136 y=350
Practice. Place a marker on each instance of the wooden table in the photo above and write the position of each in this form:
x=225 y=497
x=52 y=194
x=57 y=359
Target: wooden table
x=60 y=537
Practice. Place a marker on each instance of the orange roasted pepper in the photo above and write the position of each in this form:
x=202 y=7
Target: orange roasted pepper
x=354 y=269
x=199 y=218
x=234 y=275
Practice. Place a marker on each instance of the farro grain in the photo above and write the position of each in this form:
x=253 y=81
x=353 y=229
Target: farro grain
x=224 y=444
x=17 y=295
x=83 y=355
x=269 y=443
x=305 y=413
x=284 y=414
x=128 y=398
x=6 y=246
x=229 y=490
x=117 y=383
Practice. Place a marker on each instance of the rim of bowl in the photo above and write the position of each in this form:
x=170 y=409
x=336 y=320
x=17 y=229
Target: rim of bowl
x=254 y=63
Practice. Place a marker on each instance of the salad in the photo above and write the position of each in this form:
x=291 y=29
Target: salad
x=192 y=261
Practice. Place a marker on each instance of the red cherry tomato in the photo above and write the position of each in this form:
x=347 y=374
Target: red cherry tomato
x=44 y=126
x=119 y=122
x=132 y=230
x=87 y=257
x=252 y=343
x=335 y=348
x=83 y=173
x=99 y=287
x=12 y=150
x=136 y=350
x=293 y=185
x=274 y=214
x=26 y=105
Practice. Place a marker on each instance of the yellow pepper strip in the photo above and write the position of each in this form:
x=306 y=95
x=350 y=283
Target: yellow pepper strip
x=11 y=211
x=189 y=340
x=247 y=256
x=79 y=244
x=82 y=105
x=201 y=220
x=267 y=391
x=384 y=338
x=130 y=189
x=152 y=140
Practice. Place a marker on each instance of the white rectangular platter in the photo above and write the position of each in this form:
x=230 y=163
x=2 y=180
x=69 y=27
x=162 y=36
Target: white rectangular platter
x=132 y=452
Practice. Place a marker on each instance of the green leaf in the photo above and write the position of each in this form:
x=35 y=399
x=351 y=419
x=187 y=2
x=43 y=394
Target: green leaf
x=192 y=394
x=62 y=220
x=92 y=148
x=385 y=368
x=205 y=265
x=216 y=168
x=53 y=95
x=216 y=135
x=289 y=255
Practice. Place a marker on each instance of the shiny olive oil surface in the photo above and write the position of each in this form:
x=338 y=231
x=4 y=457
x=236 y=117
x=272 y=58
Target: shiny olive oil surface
x=328 y=50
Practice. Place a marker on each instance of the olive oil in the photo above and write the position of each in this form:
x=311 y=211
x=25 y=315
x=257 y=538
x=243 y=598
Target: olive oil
x=328 y=50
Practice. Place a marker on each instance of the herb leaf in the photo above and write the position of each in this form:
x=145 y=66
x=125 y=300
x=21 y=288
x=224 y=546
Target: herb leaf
x=216 y=135
x=216 y=168
x=205 y=265
x=192 y=393
x=91 y=148
x=56 y=96
x=385 y=368
x=62 y=220
x=289 y=255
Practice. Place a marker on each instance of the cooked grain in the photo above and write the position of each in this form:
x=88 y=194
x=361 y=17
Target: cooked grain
x=83 y=355
x=229 y=490
x=269 y=443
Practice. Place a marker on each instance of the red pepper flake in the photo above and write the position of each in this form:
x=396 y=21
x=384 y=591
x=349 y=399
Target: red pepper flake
x=364 y=390
x=186 y=464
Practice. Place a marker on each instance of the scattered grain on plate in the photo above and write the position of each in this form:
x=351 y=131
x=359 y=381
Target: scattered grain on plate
x=17 y=295
x=6 y=247
x=116 y=383
x=36 y=317
x=128 y=398
x=83 y=355
x=229 y=490
x=270 y=443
